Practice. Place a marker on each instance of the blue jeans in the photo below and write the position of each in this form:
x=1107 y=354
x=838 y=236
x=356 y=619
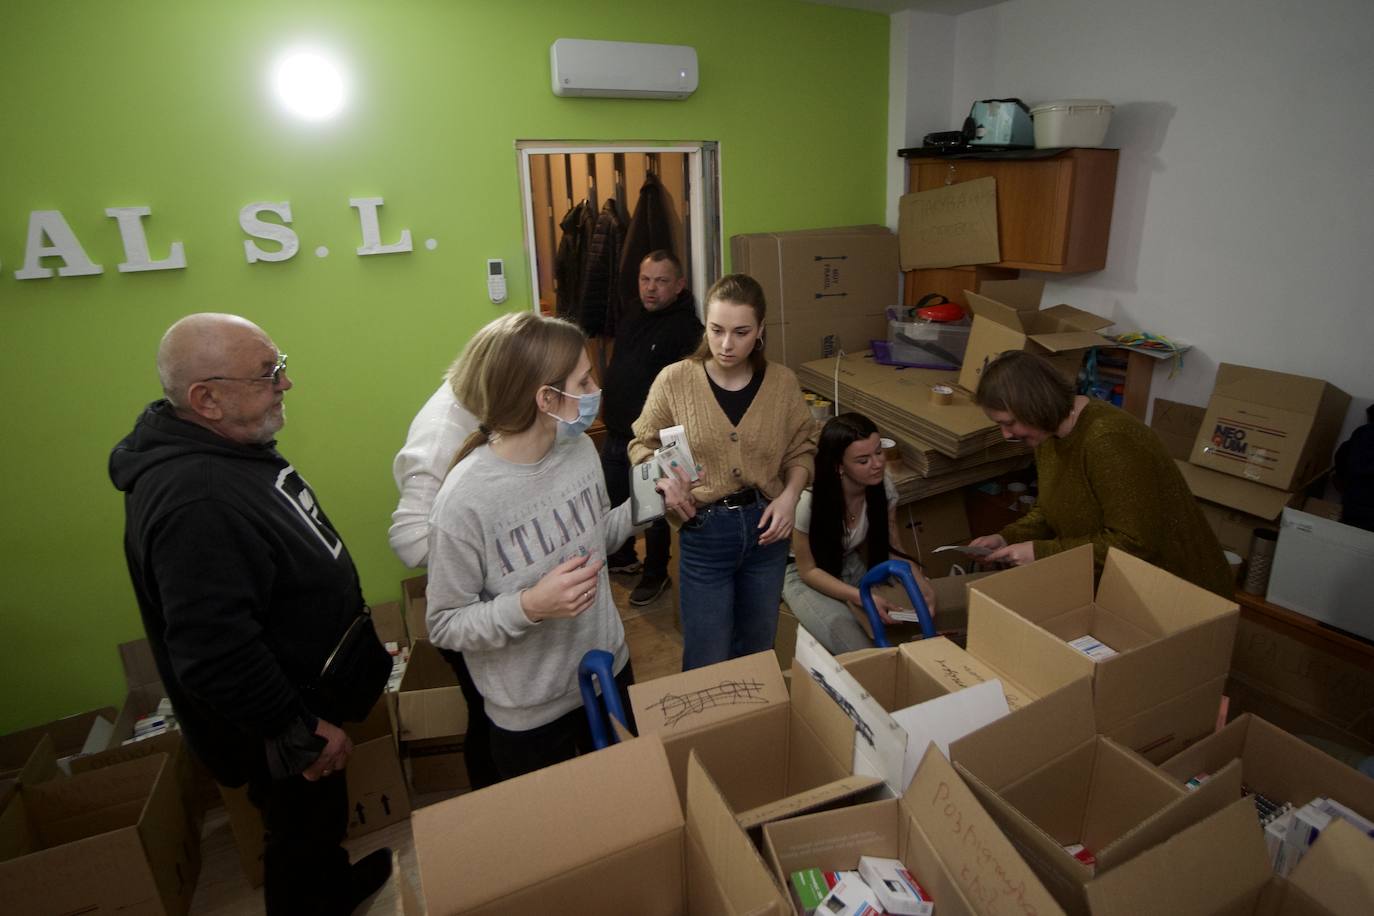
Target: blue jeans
x=731 y=587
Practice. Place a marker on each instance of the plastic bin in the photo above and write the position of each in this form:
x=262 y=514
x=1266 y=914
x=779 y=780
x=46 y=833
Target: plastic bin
x=1071 y=122
x=933 y=344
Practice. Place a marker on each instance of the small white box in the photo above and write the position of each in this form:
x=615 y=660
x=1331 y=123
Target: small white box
x=1092 y=647
x=1071 y=122
x=897 y=890
x=851 y=897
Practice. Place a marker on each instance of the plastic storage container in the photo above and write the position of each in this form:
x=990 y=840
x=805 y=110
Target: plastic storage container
x=1071 y=122
x=927 y=344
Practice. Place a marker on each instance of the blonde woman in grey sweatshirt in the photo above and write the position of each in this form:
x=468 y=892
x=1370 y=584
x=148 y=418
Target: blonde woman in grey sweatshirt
x=518 y=538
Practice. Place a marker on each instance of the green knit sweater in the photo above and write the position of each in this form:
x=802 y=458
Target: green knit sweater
x=1110 y=483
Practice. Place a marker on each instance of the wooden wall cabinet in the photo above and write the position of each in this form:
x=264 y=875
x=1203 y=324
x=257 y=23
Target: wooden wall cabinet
x=1053 y=214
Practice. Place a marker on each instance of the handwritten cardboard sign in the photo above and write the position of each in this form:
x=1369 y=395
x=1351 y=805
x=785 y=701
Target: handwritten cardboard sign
x=949 y=227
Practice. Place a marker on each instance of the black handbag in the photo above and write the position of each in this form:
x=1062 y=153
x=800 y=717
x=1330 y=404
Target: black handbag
x=354 y=674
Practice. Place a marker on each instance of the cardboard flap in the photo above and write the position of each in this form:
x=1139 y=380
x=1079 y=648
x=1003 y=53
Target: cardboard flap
x=976 y=853
x=1000 y=313
x=1065 y=341
x=1077 y=319
x=1041 y=733
x=1156 y=601
x=987 y=341
x=551 y=822
x=809 y=800
x=1177 y=425
x=1044 y=588
x=41 y=765
x=1188 y=808
x=1338 y=871
x=731 y=857
x=1234 y=492
x=1021 y=295
x=1010 y=644
x=139 y=665
x=1213 y=865
x=66 y=809
x=949 y=226
x=683 y=703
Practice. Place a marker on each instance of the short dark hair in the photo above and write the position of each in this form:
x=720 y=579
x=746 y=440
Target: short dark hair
x=1028 y=387
x=659 y=255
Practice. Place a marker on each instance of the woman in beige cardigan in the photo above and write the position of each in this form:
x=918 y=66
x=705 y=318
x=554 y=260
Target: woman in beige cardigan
x=754 y=441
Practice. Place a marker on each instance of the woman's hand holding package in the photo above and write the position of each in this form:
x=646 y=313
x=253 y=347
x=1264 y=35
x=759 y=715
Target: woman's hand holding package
x=1013 y=554
x=565 y=591
x=677 y=494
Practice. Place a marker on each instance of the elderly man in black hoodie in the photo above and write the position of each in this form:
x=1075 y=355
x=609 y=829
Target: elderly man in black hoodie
x=663 y=331
x=246 y=589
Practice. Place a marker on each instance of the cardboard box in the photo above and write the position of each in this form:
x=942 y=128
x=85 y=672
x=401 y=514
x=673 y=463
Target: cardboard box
x=110 y=840
x=436 y=765
x=602 y=833
x=1175 y=641
x=933 y=522
x=68 y=735
x=826 y=289
x=1007 y=316
x=1235 y=507
x=771 y=754
x=937 y=828
x=1276 y=765
x=1270 y=427
x=414 y=605
x=1049 y=782
x=430 y=702
x=1177 y=425
x=1219 y=866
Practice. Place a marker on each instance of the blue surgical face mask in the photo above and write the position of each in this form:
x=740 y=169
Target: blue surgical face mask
x=588 y=406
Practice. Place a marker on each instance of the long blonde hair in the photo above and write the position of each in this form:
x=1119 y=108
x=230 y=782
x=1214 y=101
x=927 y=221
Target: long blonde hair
x=511 y=359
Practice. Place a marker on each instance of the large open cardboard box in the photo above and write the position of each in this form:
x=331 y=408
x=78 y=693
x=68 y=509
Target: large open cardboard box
x=1163 y=690
x=414 y=605
x=1270 y=427
x=937 y=828
x=1276 y=765
x=826 y=289
x=1049 y=781
x=602 y=833
x=1218 y=867
x=772 y=755
x=111 y=840
x=1007 y=316
x=430 y=702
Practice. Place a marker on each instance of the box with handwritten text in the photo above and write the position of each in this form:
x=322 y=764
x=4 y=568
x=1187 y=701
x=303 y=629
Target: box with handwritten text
x=936 y=828
x=772 y=755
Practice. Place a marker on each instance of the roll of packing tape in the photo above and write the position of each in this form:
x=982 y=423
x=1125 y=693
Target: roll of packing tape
x=941 y=394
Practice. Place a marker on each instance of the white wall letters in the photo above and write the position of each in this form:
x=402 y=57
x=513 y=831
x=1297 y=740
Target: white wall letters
x=372 y=233
x=50 y=224
x=136 y=242
x=283 y=235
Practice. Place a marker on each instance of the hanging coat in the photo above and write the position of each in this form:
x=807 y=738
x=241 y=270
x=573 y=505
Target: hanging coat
x=651 y=228
x=600 y=281
x=570 y=262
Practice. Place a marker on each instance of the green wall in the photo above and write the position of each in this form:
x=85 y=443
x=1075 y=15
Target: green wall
x=165 y=104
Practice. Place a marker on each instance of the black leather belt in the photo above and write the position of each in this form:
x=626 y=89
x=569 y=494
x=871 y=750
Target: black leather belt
x=741 y=499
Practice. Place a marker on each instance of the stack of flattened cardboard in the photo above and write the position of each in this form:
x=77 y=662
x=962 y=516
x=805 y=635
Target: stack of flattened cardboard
x=927 y=461
x=901 y=403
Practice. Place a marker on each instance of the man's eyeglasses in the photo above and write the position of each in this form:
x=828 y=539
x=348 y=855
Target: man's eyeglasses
x=274 y=375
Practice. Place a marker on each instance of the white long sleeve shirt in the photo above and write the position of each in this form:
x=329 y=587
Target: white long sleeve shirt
x=435 y=435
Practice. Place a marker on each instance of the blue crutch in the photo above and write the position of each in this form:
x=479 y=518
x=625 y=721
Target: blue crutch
x=598 y=663
x=900 y=570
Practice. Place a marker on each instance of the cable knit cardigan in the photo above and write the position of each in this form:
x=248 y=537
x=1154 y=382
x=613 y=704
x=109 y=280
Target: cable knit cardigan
x=775 y=434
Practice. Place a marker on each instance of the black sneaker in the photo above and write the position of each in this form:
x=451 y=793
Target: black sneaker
x=649 y=588
x=367 y=875
x=627 y=566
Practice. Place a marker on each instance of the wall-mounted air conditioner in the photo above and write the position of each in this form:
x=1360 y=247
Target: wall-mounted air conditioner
x=622 y=69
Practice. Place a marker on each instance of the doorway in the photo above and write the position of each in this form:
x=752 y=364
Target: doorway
x=570 y=190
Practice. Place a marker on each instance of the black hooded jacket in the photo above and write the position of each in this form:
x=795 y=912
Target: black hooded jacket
x=243 y=584
x=643 y=347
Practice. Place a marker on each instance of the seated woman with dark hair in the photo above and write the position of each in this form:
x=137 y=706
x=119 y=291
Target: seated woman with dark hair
x=1105 y=479
x=845 y=525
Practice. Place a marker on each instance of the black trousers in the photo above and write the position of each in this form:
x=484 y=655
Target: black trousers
x=516 y=753
x=305 y=867
x=615 y=465
x=477 y=744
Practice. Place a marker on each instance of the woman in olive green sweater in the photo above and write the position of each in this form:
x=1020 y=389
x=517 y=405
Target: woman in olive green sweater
x=1104 y=479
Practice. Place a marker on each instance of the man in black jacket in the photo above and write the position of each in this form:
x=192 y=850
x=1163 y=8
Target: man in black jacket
x=245 y=588
x=663 y=331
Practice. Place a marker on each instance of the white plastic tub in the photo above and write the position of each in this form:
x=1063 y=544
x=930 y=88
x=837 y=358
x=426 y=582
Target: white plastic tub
x=1071 y=122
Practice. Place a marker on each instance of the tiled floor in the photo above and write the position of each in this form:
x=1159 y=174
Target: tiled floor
x=656 y=650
